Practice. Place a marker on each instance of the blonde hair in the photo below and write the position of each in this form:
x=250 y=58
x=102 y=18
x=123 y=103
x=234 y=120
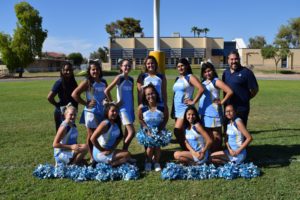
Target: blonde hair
x=69 y=106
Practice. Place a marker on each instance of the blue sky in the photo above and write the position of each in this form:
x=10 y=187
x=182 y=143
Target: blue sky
x=79 y=25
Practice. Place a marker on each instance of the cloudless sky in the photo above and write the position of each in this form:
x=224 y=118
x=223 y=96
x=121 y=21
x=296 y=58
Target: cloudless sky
x=79 y=25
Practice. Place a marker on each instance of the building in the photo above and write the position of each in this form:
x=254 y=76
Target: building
x=49 y=62
x=195 y=49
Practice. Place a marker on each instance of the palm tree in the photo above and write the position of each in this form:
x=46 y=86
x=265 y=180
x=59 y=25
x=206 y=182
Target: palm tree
x=199 y=31
x=194 y=30
x=205 y=30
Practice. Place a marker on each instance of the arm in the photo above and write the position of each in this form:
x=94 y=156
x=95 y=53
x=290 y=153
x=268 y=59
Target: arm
x=226 y=89
x=164 y=91
x=51 y=98
x=196 y=83
x=246 y=134
x=141 y=119
x=102 y=128
x=253 y=92
x=59 y=136
x=208 y=140
x=139 y=85
x=110 y=87
x=83 y=86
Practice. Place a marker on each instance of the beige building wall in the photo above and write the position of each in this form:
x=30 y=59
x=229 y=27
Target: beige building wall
x=253 y=57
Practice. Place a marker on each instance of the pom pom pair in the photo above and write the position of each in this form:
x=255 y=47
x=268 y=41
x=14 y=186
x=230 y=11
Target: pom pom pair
x=102 y=172
x=156 y=139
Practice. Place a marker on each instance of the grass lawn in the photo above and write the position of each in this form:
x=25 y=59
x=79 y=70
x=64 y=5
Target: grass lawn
x=27 y=132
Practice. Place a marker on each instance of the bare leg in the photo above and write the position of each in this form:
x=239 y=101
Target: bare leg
x=119 y=157
x=88 y=141
x=128 y=135
x=219 y=157
x=215 y=135
x=80 y=154
x=157 y=153
x=184 y=157
x=149 y=154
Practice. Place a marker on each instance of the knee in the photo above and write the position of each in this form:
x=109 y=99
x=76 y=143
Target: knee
x=177 y=155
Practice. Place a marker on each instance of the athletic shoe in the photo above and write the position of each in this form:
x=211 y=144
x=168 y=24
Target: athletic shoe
x=148 y=166
x=157 y=167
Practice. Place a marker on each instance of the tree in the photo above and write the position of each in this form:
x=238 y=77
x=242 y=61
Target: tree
x=100 y=54
x=206 y=30
x=199 y=31
x=125 y=28
x=271 y=52
x=77 y=58
x=194 y=30
x=27 y=41
x=257 y=42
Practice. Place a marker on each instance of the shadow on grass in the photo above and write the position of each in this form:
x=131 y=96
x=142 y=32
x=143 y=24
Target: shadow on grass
x=273 y=155
x=274 y=130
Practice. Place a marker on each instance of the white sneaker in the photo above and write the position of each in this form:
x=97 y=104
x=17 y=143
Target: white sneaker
x=157 y=167
x=148 y=166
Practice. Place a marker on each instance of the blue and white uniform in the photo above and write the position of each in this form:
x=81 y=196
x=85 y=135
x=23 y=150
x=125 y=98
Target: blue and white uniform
x=107 y=141
x=156 y=80
x=94 y=116
x=153 y=118
x=125 y=95
x=210 y=112
x=197 y=142
x=182 y=90
x=235 y=140
x=62 y=155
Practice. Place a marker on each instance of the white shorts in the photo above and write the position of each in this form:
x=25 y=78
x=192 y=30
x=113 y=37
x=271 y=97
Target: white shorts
x=201 y=161
x=237 y=159
x=90 y=119
x=100 y=157
x=126 y=117
x=64 y=157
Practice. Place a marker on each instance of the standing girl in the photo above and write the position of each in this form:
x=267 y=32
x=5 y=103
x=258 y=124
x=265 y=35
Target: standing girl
x=106 y=138
x=183 y=96
x=210 y=104
x=66 y=149
x=237 y=139
x=125 y=100
x=197 y=140
x=94 y=87
x=153 y=119
x=63 y=88
x=152 y=76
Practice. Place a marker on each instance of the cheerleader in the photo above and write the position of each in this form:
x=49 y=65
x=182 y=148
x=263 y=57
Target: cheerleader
x=66 y=149
x=153 y=119
x=125 y=100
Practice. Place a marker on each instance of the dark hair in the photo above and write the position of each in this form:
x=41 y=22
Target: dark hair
x=208 y=65
x=187 y=65
x=186 y=124
x=234 y=52
x=144 y=100
x=121 y=63
x=107 y=107
x=71 y=82
x=153 y=59
x=88 y=75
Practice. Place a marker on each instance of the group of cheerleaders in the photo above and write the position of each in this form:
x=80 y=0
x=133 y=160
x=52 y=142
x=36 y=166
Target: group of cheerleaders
x=198 y=131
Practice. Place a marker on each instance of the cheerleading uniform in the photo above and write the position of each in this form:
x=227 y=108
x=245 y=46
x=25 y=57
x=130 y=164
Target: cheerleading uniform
x=209 y=111
x=153 y=118
x=107 y=141
x=125 y=95
x=197 y=142
x=235 y=140
x=93 y=116
x=62 y=155
x=156 y=80
x=182 y=90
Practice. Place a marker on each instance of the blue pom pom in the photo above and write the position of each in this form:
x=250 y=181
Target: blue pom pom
x=229 y=171
x=102 y=172
x=157 y=139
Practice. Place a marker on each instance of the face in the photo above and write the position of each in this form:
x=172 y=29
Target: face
x=150 y=66
x=70 y=115
x=233 y=61
x=113 y=113
x=229 y=112
x=190 y=116
x=67 y=71
x=208 y=74
x=94 y=71
x=125 y=67
x=150 y=95
x=181 y=68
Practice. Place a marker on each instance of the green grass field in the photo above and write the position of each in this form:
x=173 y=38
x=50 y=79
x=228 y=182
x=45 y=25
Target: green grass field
x=27 y=132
